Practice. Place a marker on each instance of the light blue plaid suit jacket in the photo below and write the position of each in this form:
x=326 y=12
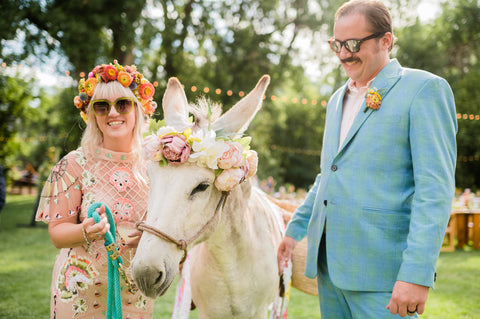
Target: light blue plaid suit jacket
x=385 y=196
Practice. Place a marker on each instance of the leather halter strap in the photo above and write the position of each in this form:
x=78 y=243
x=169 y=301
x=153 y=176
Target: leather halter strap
x=182 y=244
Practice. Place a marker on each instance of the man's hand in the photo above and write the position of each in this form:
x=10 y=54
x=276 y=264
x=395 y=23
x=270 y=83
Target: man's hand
x=284 y=252
x=407 y=298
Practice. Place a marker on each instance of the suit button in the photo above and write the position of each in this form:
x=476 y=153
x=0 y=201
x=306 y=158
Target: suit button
x=325 y=202
x=334 y=168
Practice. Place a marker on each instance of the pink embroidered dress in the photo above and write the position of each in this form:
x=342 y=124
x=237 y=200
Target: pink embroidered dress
x=80 y=274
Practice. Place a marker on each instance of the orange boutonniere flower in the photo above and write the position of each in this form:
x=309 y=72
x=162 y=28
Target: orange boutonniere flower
x=373 y=99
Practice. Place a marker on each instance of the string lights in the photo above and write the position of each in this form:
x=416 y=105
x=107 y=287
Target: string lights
x=273 y=98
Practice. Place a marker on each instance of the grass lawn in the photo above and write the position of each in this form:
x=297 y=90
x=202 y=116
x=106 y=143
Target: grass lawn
x=27 y=256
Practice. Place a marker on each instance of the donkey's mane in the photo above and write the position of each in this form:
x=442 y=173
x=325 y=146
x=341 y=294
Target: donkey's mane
x=200 y=111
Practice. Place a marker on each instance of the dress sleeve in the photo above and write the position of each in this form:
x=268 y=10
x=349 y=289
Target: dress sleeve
x=61 y=196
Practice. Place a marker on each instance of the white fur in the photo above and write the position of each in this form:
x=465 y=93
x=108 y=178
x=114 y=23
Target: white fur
x=233 y=266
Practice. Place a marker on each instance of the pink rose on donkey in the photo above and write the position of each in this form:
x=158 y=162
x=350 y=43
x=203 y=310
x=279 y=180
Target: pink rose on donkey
x=229 y=178
x=232 y=157
x=175 y=148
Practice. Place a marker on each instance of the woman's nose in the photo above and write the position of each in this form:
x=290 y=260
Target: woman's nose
x=113 y=111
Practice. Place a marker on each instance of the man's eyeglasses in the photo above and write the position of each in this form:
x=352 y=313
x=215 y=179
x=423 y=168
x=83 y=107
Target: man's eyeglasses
x=351 y=45
x=123 y=105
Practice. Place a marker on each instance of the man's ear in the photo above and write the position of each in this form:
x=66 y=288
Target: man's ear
x=386 y=40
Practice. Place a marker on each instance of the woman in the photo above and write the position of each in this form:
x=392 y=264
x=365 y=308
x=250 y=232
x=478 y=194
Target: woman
x=116 y=102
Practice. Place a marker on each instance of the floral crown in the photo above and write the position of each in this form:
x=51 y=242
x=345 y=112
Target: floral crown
x=127 y=75
x=231 y=158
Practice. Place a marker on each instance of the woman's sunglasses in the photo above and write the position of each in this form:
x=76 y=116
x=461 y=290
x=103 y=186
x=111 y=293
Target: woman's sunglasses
x=123 y=105
x=352 y=45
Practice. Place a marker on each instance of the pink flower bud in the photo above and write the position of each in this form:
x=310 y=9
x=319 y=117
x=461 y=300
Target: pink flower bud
x=251 y=163
x=229 y=178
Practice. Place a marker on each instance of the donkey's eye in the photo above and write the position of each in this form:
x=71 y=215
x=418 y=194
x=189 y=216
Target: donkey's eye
x=200 y=188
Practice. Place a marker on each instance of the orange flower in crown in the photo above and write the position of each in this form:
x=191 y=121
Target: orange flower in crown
x=126 y=75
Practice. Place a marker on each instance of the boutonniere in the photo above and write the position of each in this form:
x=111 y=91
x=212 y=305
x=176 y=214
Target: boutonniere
x=373 y=99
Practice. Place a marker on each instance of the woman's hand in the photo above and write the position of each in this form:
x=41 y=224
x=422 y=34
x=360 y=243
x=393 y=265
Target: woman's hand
x=96 y=230
x=135 y=235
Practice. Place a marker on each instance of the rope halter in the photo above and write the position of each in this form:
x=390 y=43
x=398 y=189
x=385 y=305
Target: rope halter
x=182 y=244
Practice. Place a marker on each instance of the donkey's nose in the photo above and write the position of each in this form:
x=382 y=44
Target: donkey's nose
x=150 y=280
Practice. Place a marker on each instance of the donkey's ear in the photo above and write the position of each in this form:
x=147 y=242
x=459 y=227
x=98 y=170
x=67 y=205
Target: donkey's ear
x=175 y=106
x=237 y=119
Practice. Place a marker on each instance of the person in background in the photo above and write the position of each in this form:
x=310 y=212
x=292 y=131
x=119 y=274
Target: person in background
x=3 y=189
x=376 y=216
x=116 y=102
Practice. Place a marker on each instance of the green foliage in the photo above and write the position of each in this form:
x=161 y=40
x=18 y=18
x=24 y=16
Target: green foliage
x=229 y=45
x=15 y=96
x=287 y=134
x=450 y=48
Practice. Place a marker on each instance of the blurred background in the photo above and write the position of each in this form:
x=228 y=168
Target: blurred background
x=219 y=49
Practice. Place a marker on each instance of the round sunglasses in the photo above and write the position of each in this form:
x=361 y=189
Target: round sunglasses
x=351 y=45
x=123 y=105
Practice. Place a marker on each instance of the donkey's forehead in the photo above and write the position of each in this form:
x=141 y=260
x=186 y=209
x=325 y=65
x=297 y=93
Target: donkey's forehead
x=184 y=174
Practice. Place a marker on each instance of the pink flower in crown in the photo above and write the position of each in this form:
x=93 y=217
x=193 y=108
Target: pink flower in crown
x=229 y=178
x=151 y=148
x=109 y=73
x=232 y=157
x=175 y=148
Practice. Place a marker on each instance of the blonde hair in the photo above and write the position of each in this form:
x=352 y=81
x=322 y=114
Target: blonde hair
x=93 y=137
x=376 y=13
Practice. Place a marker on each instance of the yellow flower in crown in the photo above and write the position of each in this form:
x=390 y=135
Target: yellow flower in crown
x=373 y=99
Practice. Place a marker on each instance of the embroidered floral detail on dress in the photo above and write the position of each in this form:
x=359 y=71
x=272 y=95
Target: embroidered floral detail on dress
x=88 y=179
x=81 y=159
x=88 y=199
x=121 y=178
x=79 y=307
x=59 y=180
x=142 y=302
x=76 y=274
x=43 y=215
x=122 y=209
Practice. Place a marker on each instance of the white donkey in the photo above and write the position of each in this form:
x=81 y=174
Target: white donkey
x=234 y=271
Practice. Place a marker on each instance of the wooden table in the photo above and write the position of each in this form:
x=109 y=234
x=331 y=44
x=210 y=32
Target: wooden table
x=462 y=217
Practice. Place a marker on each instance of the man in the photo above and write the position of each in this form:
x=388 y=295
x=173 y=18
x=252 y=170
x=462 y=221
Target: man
x=376 y=215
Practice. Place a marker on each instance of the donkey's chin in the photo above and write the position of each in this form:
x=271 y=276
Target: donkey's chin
x=153 y=283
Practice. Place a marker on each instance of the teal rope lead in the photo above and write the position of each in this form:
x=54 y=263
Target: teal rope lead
x=115 y=262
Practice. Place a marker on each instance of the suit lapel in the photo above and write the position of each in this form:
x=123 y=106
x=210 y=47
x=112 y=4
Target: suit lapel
x=385 y=80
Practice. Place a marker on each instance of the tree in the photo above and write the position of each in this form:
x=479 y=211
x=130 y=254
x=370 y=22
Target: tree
x=450 y=48
x=215 y=44
x=15 y=96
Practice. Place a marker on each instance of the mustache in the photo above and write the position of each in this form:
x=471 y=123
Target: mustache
x=350 y=59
